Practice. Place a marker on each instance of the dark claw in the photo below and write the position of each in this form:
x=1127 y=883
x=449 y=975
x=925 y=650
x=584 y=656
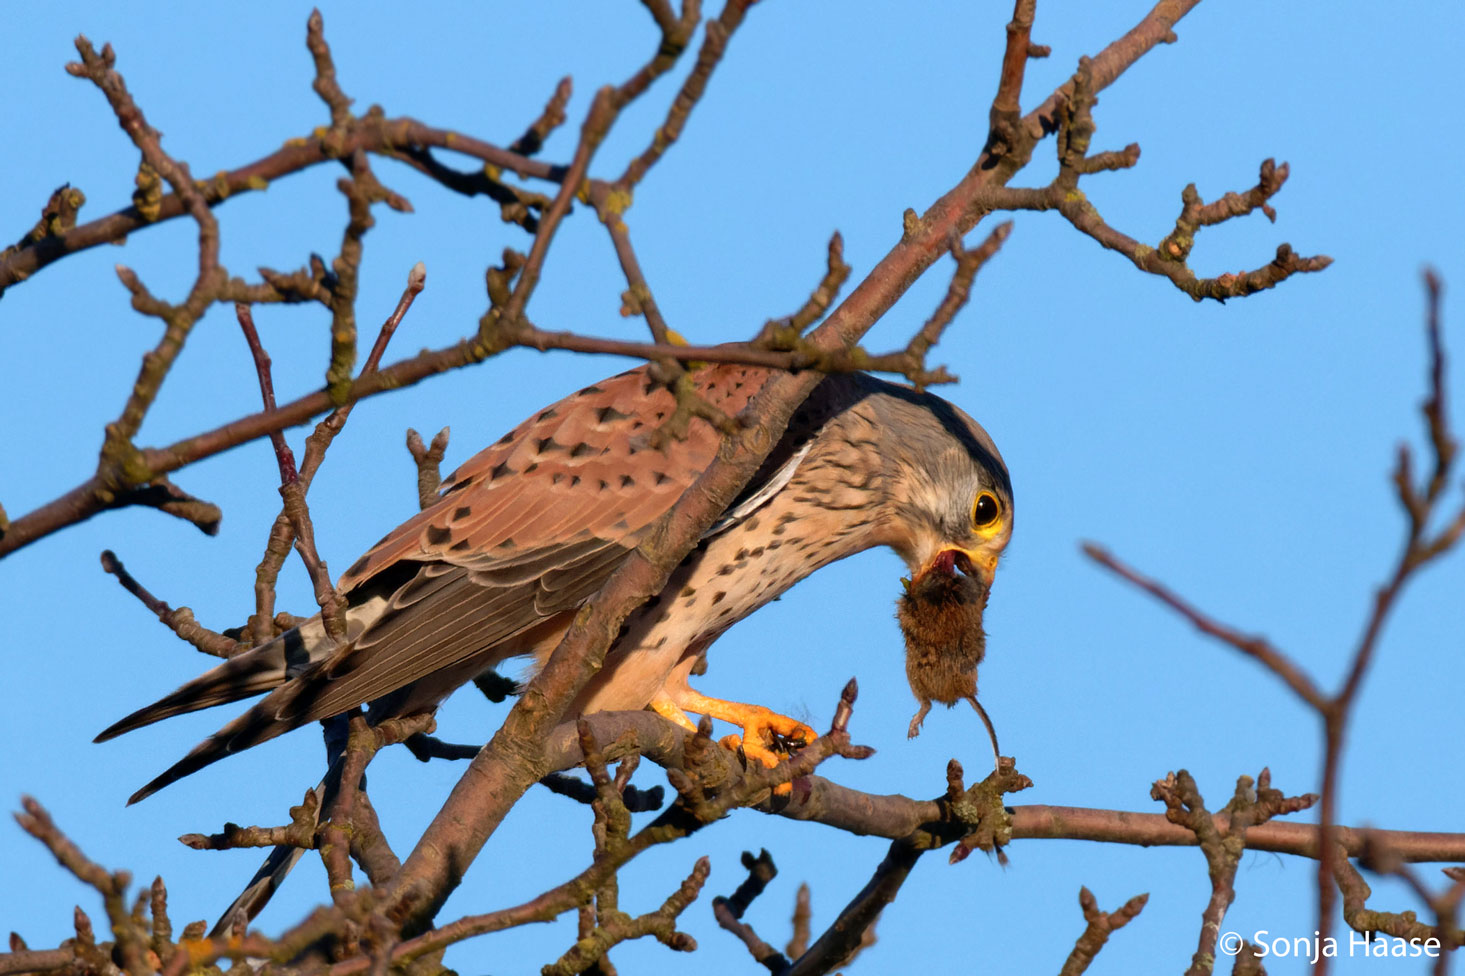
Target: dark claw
x=786 y=744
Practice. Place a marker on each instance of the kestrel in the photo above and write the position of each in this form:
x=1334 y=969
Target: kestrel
x=530 y=528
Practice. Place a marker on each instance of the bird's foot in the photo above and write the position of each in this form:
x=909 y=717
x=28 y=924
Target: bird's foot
x=768 y=737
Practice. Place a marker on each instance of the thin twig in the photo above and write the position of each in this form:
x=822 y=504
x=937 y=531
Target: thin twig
x=729 y=911
x=550 y=119
x=1100 y=925
x=1419 y=549
x=180 y=621
x=428 y=459
x=1223 y=850
x=1257 y=648
x=292 y=491
x=704 y=761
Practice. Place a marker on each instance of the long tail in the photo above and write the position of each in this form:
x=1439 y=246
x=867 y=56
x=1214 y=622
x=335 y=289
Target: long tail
x=254 y=672
x=304 y=674
x=267 y=718
x=267 y=668
x=272 y=873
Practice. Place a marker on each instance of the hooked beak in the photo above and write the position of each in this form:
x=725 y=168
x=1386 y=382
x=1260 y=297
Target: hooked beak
x=979 y=566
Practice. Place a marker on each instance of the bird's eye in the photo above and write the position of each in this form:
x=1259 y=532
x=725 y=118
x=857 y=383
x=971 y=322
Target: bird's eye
x=985 y=510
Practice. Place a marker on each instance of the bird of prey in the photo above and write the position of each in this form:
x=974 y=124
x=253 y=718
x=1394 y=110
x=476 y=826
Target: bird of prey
x=528 y=530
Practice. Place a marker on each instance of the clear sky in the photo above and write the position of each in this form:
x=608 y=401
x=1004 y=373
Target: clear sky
x=1239 y=452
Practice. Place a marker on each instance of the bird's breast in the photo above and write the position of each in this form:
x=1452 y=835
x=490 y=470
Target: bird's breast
x=729 y=576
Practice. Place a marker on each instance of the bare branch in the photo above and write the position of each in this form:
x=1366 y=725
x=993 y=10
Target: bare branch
x=637 y=299
x=1400 y=925
x=729 y=911
x=427 y=458
x=785 y=333
x=635 y=800
x=714 y=44
x=340 y=829
x=798 y=942
x=968 y=263
x=1378 y=856
x=1419 y=549
x=894 y=816
x=118 y=453
x=325 y=83
x=292 y=490
x=1075 y=130
x=1257 y=648
x=284 y=457
x=298 y=833
x=132 y=943
x=180 y=621
x=550 y=119
x=1006 y=133
x=1100 y=926
x=849 y=933
x=283 y=532
x=703 y=762
x=622 y=928
x=57 y=217
x=1184 y=806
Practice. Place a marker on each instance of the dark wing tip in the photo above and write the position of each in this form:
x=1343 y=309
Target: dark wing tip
x=256 y=671
x=155 y=784
x=207 y=752
x=128 y=723
x=118 y=727
x=259 y=724
x=147 y=715
x=172 y=774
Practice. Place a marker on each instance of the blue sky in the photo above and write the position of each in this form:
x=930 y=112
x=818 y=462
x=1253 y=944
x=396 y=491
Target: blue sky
x=1240 y=453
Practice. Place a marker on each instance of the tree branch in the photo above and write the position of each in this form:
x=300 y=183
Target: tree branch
x=1100 y=926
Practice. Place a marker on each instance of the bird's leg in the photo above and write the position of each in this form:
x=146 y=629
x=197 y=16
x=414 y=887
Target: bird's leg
x=767 y=736
x=668 y=709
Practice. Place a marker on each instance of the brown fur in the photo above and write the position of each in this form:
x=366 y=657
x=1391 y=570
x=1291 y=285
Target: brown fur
x=941 y=617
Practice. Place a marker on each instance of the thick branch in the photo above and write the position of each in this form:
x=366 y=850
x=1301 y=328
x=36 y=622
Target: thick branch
x=704 y=764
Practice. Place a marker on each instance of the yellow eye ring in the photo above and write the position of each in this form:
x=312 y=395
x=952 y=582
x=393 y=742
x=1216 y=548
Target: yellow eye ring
x=985 y=510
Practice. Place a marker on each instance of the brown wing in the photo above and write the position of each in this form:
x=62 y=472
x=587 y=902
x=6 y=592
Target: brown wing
x=582 y=468
x=525 y=530
x=446 y=616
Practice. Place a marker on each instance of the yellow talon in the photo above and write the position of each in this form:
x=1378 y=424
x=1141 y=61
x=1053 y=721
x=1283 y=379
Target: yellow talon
x=768 y=737
x=770 y=740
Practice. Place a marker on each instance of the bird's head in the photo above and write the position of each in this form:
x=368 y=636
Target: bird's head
x=948 y=505
x=948 y=492
x=973 y=548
